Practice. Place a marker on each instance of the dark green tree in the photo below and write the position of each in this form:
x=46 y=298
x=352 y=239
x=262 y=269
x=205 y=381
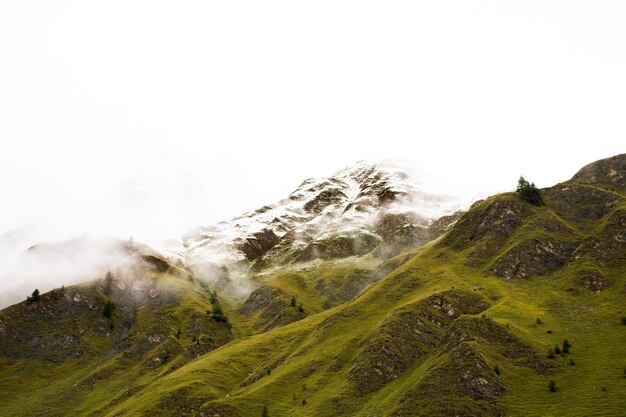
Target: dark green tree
x=497 y=370
x=108 y=283
x=552 y=386
x=218 y=314
x=566 y=346
x=529 y=192
x=265 y=413
x=293 y=301
x=33 y=297
x=109 y=307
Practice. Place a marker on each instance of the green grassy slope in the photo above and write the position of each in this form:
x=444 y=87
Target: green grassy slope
x=461 y=326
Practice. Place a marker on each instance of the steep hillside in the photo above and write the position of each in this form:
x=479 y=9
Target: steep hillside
x=516 y=310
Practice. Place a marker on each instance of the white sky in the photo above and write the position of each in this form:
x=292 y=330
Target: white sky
x=147 y=118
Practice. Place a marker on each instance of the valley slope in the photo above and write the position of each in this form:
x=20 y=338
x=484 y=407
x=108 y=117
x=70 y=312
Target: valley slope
x=466 y=322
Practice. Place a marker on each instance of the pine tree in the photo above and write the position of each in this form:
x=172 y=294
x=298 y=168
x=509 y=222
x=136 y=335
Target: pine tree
x=293 y=301
x=109 y=307
x=265 y=413
x=529 y=192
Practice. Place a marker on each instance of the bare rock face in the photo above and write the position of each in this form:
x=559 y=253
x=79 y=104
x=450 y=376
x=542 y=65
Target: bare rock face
x=533 y=257
x=258 y=244
x=486 y=227
x=607 y=245
x=407 y=335
x=609 y=172
x=465 y=372
x=580 y=203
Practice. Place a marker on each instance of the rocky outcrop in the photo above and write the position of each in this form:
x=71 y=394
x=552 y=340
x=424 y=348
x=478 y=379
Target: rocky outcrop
x=593 y=280
x=609 y=172
x=341 y=246
x=406 y=335
x=486 y=227
x=258 y=244
x=273 y=307
x=607 y=244
x=464 y=383
x=533 y=257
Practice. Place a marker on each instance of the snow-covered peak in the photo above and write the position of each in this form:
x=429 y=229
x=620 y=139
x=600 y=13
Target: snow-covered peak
x=349 y=202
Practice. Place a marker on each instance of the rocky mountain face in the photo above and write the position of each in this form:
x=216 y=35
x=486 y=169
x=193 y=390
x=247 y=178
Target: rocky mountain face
x=517 y=310
x=381 y=208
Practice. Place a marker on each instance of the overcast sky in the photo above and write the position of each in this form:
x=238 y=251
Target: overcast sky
x=147 y=118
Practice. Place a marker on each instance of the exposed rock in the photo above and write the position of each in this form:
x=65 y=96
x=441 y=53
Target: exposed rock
x=464 y=374
x=610 y=172
x=339 y=247
x=486 y=227
x=593 y=280
x=258 y=244
x=217 y=409
x=406 y=335
x=464 y=384
x=533 y=257
x=579 y=203
x=608 y=244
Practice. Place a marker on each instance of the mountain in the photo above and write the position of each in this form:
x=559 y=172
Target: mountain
x=382 y=207
x=513 y=309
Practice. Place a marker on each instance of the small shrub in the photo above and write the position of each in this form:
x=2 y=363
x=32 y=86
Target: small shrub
x=293 y=301
x=33 y=297
x=213 y=297
x=178 y=334
x=497 y=370
x=557 y=349
x=538 y=320
x=300 y=308
x=264 y=413
x=304 y=401
x=552 y=386
x=566 y=346
x=218 y=314
x=109 y=307
x=549 y=331
x=551 y=353
x=624 y=372
x=572 y=362
x=624 y=321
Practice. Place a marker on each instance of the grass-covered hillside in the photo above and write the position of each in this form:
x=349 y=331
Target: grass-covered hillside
x=518 y=310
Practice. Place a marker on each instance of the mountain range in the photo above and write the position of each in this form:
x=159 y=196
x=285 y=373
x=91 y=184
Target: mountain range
x=361 y=294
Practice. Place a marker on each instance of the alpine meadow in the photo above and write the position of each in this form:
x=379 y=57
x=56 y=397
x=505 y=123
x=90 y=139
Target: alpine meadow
x=360 y=294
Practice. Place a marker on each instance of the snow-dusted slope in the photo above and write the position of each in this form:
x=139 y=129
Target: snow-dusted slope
x=352 y=203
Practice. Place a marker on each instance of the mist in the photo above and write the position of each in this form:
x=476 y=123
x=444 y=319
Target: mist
x=146 y=119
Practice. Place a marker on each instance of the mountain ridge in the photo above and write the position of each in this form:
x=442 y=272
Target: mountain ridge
x=471 y=323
